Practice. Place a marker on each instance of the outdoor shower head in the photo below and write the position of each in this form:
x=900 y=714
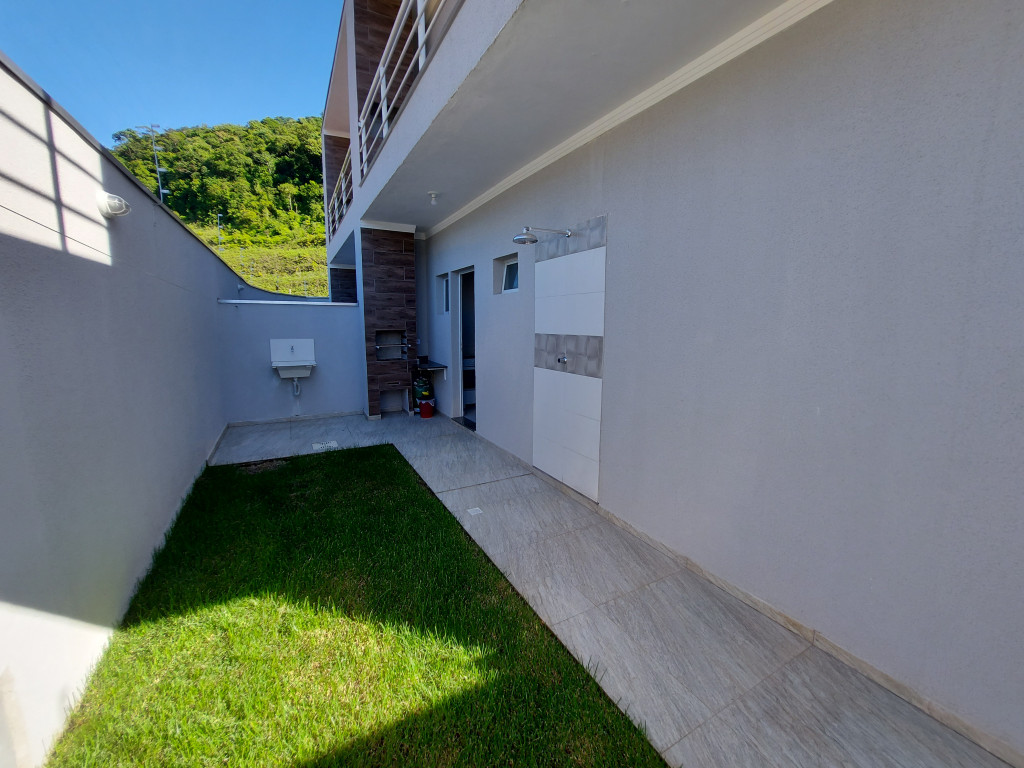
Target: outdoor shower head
x=528 y=238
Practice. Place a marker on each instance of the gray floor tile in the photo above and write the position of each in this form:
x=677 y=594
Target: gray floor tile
x=396 y=428
x=814 y=712
x=516 y=512
x=653 y=699
x=765 y=718
x=318 y=430
x=454 y=461
x=549 y=592
x=717 y=745
x=869 y=725
x=428 y=444
x=716 y=649
x=605 y=562
x=253 y=443
x=554 y=598
x=500 y=491
x=279 y=439
x=304 y=434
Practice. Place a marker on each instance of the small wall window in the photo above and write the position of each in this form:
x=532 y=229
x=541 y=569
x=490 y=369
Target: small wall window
x=506 y=274
x=511 y=282
x=444 y=294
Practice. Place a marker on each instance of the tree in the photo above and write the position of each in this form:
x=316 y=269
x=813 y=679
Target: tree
x=265 y=181
x=256 y=176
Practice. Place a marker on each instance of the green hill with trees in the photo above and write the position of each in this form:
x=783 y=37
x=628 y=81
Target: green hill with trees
x=265 y=181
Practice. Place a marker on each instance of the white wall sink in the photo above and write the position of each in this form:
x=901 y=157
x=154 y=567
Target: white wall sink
x=292 y=358
x=292 y=371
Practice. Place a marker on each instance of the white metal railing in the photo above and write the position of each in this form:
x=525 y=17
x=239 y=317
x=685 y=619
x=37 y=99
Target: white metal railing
x=341 y=196
x=415 y=23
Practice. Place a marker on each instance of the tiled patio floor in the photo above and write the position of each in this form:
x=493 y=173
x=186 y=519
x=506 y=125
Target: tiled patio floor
x=715 y=683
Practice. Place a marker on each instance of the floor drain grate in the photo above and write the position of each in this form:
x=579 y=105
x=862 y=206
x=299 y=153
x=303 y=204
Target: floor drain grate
x=325 y=446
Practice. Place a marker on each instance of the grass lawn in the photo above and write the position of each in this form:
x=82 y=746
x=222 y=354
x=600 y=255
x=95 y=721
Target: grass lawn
x=328 y=610
x=287 y=267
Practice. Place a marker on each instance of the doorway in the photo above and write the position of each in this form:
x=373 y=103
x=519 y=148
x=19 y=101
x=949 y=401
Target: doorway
x=467 y=350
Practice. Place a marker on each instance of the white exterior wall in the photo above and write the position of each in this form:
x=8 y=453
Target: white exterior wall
x=118 y=373
x=110 y=392
x=253 y=391
x=504 y=327
x=814 y=363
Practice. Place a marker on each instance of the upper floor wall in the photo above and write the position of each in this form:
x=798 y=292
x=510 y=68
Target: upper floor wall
x=517 y=84
x=383 y=109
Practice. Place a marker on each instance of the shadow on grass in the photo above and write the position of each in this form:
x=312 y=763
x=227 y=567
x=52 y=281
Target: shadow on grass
x=490 y=727
x=356 y=534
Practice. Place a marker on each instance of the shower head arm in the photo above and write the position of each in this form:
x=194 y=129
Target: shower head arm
x=563 y=232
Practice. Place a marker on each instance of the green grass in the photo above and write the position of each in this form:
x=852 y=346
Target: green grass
x=329 y=611
x=289 y=266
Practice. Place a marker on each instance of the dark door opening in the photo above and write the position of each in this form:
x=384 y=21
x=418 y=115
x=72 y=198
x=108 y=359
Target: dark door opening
x=468 y=347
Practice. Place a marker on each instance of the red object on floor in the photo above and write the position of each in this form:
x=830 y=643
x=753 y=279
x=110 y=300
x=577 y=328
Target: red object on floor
x=426 y=409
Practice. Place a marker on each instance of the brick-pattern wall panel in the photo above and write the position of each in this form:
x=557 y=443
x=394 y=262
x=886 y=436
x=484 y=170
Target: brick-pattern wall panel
x=389 y=304
x=373 y=20
x=343 y=285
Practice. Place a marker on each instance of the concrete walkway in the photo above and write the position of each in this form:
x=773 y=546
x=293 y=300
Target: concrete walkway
x=714 y=683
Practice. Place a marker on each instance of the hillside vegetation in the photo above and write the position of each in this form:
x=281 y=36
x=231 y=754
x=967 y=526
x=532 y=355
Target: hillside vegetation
x=265 y=181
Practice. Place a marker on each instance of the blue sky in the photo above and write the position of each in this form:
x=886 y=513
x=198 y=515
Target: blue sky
x=118 y=64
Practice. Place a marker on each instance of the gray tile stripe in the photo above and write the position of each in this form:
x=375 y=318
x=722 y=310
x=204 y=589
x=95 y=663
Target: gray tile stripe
x=584 y=354
x=592 y=233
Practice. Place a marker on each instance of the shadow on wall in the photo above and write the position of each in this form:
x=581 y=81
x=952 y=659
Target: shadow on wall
x=105 y=364
x=104 y=348
x=111 y=398
x=43 y=192
x=45 y=358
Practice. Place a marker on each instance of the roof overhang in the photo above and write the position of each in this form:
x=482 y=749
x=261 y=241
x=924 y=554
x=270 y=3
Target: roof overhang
x=336 y=109
x=557 y=76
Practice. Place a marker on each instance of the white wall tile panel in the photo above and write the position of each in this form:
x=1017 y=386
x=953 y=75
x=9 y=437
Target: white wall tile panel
x=549 y=278
x=580 y=473
x=585 y=397
x=587 y=271
x=550 y=314
x=582 y=435
x=569 y=301
x=581 y=314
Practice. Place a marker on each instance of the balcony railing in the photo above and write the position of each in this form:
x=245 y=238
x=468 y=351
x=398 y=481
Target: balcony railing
x=419 y=23
x=341 y=197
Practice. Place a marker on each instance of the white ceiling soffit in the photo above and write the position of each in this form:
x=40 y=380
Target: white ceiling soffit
x=559 y=75
x=336 y=117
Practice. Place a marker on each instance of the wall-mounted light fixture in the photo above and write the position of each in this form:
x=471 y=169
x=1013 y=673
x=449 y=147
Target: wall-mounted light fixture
x=111 y=205
x=528 y=238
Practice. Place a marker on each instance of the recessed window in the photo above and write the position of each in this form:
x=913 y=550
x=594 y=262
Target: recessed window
x=446 y=291
x=506 y=274
x=511 y=280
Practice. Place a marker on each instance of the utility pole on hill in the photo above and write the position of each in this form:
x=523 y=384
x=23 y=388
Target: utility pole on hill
x=151 y=131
